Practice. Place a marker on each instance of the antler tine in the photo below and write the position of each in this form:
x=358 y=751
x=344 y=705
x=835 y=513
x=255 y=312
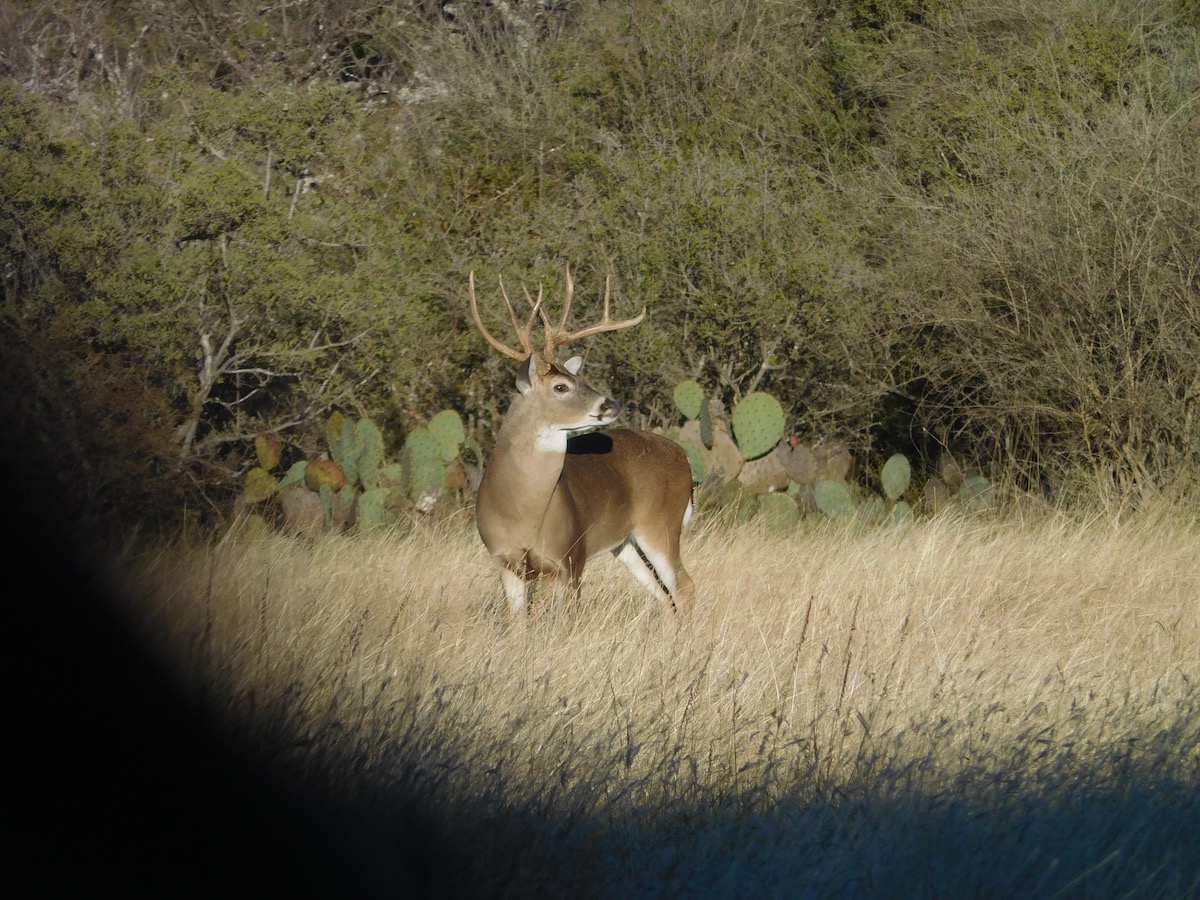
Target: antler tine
x=522 y=333
x=535 y=305
x=559 y=336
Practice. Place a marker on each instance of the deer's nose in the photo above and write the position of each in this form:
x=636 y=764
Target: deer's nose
x=608 y=408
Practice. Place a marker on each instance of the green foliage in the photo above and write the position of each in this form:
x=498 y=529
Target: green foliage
x=897 y=217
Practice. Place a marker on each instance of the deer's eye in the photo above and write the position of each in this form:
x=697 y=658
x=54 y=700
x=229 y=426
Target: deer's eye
x=562 y=388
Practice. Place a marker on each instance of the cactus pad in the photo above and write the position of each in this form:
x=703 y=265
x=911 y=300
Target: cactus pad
x=294 y=477
x=260 y=484
x=977 y=492
x=268 y=448
x=936 y=495
x=706 y=426
x=689 y=398
x=696 y=459
x=725 y=457
x=833 y=498
x=335 y=427
x=895 y=476
x=372 y=508
x=739 y=503
x=801 y=464
x=757 y=424
x=779 y=512
x=834 y=460
x=765 y=474
x=368 y=441
x=872 y=510
x=447 y=430
x=901 y=514
x=322 y=473
x=426 y=471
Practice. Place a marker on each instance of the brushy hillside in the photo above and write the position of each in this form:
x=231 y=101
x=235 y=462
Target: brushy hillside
x=965 y=708
x=924 y=225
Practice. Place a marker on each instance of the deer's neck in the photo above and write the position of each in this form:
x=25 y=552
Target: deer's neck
x=520 y=480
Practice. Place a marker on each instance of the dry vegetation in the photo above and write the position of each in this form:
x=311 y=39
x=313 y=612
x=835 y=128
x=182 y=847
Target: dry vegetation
x=967 y=708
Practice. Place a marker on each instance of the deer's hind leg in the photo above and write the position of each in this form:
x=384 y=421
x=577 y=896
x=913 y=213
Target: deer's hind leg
x=659 y=570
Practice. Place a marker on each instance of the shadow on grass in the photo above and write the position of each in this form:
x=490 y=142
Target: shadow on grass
x=1138 y=836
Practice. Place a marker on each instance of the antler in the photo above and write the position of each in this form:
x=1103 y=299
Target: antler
x=522 y=330
x=556 y=335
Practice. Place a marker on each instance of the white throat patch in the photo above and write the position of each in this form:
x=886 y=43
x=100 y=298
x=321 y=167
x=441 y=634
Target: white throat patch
x=551 y=439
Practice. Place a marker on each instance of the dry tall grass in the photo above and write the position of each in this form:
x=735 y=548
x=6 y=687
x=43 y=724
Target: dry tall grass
x=966 y=708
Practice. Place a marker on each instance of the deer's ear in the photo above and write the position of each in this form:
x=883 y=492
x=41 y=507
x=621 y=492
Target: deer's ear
x=527 y=375
x=573 y=365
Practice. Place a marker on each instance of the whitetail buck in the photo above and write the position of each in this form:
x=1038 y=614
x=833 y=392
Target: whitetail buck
x=557 y=492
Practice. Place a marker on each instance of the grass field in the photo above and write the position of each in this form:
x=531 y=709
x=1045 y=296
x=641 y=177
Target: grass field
x=969 y=708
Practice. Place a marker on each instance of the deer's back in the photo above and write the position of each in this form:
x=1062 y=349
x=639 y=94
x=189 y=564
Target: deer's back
x=617 y=480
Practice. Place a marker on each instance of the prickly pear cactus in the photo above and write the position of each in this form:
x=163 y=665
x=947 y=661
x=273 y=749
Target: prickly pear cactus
x=268 y=448
x=895 y=476
x=295 y=476
x=373 y=508
x=801 y=463
x=872 y=510
x=326 y=495
x=689 y=434
x=951 y=471
x=689 y=398
x=833 y=498
x=695 y=459
x=368 y=441
x=976 y=490
x=427 y=473
x=936 y=496
x=260 y=484
x=322 y=473
x=901 y=514
x=765 y=474
x=739 y=504
x=346 y=451
x=724 y=455
x=303 y=512
x=757 y=424
x=779 y=512
x=447 y=430
x=834 y=460
x=335 y=428
x=706 y=426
